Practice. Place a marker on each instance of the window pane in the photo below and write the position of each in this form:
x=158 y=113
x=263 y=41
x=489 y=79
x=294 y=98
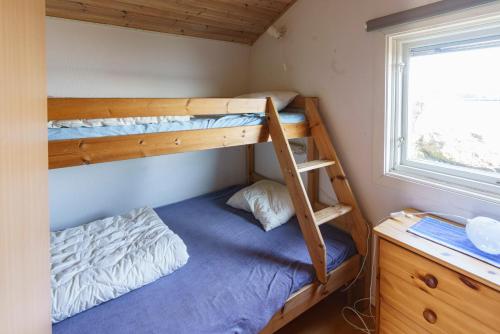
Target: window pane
x=454 y=108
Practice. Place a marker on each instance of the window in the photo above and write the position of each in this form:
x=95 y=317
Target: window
x=443 y=107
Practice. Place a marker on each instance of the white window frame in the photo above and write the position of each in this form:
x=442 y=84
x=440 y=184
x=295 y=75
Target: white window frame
x=477 y=184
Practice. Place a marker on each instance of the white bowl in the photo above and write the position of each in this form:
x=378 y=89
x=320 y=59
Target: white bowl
x=484 y=233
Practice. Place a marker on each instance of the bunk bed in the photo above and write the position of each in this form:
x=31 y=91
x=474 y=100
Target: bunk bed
x=89 y=149
x=255 y=120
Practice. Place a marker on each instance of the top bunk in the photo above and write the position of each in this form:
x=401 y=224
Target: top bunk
x=144 y=127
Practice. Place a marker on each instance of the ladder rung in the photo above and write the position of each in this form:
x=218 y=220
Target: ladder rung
x=314 y=164
x=330 y=213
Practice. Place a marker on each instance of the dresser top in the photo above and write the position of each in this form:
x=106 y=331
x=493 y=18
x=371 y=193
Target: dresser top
x=394 y=230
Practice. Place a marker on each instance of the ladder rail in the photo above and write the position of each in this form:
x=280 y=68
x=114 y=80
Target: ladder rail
x=303 y=209
x=338 y=179
x=312 y=175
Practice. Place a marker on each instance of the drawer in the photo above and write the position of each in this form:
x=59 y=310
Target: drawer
x=427 y=311
x=414 y=286
x=471 y=297
x=392 y=322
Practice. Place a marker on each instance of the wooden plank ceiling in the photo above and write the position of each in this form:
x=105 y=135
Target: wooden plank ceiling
x=241 y=21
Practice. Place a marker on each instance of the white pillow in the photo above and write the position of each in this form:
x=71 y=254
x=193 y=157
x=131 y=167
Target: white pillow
x=269 y=202
x=280 y=99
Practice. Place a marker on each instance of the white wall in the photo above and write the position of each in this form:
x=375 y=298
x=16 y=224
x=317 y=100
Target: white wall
x=91 y=60
x=328 y=54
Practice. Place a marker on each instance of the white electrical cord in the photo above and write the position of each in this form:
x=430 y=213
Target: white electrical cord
x=363 y=263
x=365 y=328
x=354 y=308
x=410 y=214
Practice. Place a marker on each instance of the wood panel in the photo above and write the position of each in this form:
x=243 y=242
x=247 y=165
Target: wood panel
x=392 y=321
x=88 y=108
x=241 y=21
x=417 y=305
x=312 y=294
x=463 y=293
x=435 y=288
x=24 y=227
x=65 y=153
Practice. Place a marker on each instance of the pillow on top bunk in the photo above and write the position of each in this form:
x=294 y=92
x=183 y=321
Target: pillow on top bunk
x=97 y=122
x=281 y=99
x=269 y=202
x=104 y=259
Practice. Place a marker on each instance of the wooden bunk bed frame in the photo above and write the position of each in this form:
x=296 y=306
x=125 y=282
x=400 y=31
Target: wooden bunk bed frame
x=74 y=152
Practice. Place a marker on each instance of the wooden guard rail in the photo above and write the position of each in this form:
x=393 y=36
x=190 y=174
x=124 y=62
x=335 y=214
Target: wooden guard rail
x=88 y=108
x=75 y=152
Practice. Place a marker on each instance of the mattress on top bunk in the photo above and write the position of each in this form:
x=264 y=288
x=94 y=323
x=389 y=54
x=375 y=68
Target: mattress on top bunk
x=290 y=116
x=237 y=276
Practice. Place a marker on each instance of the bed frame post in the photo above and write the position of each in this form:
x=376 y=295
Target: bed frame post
x=312 y=176
x=250 y=163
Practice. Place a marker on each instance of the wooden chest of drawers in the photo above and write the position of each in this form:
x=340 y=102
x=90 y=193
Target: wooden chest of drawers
x=424 y=287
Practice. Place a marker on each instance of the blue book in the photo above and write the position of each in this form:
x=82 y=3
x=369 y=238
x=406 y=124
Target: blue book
x=451 y=236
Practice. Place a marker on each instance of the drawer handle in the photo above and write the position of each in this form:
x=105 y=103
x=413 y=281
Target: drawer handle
x=430 y=281
x=468 y=283
x=430 y=316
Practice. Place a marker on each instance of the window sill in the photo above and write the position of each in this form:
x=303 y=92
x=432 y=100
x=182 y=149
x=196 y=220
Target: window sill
x=394 y=177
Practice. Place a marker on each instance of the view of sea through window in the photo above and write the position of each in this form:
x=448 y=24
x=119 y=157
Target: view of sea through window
x=453 y=108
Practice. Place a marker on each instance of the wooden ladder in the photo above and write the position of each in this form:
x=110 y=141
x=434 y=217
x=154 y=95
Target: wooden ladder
x=310 y=220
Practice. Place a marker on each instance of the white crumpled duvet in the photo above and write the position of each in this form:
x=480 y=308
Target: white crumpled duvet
x=98 y=122
x=107 y=258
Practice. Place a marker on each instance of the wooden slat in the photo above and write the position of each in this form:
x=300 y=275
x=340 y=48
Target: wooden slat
x=75 y=152
x=311 y=294
x=250 y=162
x=330 y=213
x=194 y=9
x=273 y=6
x=303 y=209
x=24 y=216
x=88 y=108
x=359 y=229
x=86 y=12
x=227 y=20
x=241 y=9
x=314 y=164
x=172 y=13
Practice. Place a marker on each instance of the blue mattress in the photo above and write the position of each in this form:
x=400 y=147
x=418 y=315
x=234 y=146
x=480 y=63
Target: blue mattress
x=236 y=278
x=292 y=116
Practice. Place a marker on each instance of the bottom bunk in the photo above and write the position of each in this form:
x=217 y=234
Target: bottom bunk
x=237 y=279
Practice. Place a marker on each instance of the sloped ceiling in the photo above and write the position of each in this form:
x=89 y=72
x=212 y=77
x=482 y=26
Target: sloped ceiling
x=240 y=21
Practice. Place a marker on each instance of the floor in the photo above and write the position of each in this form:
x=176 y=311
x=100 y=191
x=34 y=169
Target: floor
x=324 y=318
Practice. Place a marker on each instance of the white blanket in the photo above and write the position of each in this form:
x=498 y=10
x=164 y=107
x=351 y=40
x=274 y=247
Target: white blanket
x=104 y=259
x=97 y=122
